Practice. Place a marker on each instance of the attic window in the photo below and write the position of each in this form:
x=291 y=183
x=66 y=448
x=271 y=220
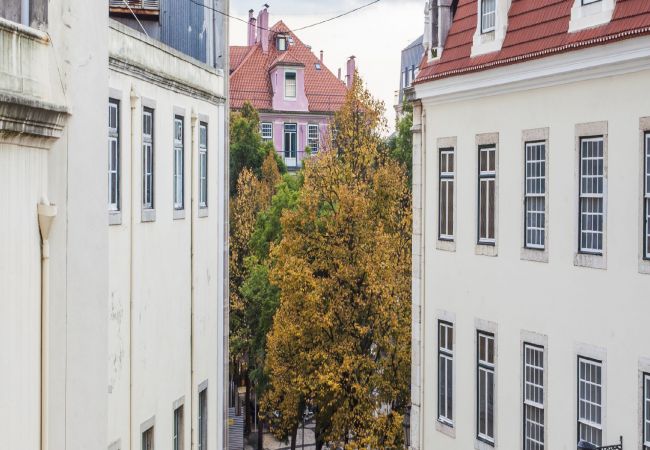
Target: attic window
x=282 y=43
x=317 y=65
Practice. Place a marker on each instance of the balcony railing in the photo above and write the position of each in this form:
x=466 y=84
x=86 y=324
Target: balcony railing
x=143 y=7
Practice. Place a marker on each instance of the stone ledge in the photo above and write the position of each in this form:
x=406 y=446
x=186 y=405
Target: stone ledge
x=20 y=115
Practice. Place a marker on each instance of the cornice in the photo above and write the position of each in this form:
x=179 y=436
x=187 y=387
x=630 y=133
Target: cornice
x=24 y=116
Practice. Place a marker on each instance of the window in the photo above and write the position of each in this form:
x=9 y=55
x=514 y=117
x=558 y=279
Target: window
x=646 y=411
x=178 y=429
x=487 y=194
x=592 y=198
x=446 y=194
x=113 y=155
x=291 y=144
x=589 y=2
x=203 y=165
x=535 y=196
x=488 y=15
x=290 y=84
x=445 y=373
x=203 y=419
x=282 y=43
x=147 y=159
x=313 y=137
x=533 y=397
x=147 y=439
x=266 y=128
x=590 y=387
x=647 y=196
x=179 y=175
x=485 y=384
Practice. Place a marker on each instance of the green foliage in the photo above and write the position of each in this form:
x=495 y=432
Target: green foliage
x=401 y=146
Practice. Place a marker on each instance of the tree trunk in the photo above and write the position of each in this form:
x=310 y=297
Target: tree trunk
x=247 y=405
x=294 y=437
x=260 y=435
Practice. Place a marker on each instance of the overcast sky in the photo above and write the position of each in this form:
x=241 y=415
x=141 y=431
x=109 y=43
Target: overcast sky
x=375 y=35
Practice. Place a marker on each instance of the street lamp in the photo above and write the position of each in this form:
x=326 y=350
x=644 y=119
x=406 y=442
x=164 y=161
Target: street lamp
x=583 y=445
x=406 y=423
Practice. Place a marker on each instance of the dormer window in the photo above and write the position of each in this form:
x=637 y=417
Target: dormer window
x=290 y=85
x=488 y=15
x=282 y=43
x=590 y=13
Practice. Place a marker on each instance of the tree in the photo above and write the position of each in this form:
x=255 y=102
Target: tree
x=401 y=145
x=340 y=340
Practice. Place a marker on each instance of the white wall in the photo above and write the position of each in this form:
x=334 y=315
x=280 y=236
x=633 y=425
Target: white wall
x=570 y=305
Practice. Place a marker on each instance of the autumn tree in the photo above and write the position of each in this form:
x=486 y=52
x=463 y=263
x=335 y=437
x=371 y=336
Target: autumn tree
x=340 y=340
x=401 y=145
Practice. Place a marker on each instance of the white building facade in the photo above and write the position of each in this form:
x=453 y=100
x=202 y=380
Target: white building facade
x=531 y=227
x=112 y=309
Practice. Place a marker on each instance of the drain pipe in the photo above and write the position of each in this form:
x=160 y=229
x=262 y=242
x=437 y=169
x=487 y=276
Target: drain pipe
x=46 y=215
x=134 y=115
x=24 y=12
x=193 y=193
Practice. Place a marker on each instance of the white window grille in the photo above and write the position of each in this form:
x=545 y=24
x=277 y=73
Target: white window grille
x=113 y=155
x=266 y=129
x=533 y=397
x=487 y=195
x=646 y=411
x=203 y=419
x=592 y=195
x=179 y=169
x=147 y=155
x=485 y=382
x=178 y=442
x=535 y=201
x=290 y=84
x=446 y=194
x=445 y=373
x=147 y=439
x=203 y=165
x=488 y=15
x=313 y=138
x=647 y=196
x=590 y=401
x=291 y=144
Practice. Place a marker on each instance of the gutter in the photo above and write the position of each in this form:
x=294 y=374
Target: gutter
x=134 y=100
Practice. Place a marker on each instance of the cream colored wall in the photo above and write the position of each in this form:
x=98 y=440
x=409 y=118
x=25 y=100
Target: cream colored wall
x=571 y=305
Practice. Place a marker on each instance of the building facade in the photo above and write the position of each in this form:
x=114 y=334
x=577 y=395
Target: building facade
x=409 y=70
x=294 y=92
x=531 y=226
x=114 y=242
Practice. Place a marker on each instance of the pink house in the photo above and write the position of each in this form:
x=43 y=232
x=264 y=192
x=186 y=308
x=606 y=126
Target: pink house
x=294 y=92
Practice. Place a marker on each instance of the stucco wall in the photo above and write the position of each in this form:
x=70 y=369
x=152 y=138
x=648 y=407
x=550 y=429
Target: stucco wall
x=573 y=307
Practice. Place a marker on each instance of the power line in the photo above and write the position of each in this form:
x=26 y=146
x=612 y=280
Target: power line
x=297 y=29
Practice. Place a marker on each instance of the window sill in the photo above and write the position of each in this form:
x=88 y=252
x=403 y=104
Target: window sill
x=445 y=245
x=148 y=215
x=486 y=250
x=446 y=429
x=203 y=213
x=480 y=444
x=115 y=218
x=530 y=254
x=644 y=267
x=179 y=214
x=590 y=261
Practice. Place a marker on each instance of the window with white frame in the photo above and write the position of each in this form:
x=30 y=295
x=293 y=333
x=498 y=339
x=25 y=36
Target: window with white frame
x=646 y=411
x=445 y=373
x=147 y=159
x=446 y=194
x=592 y=195
x=590 y=401
x=178 y=442
x=113 y=155
x=291 y=144
x=313 y=138
x=290 y=79
x=203 y=419
x=179 y=169
x=533 y=397
x=535 y=195
x=488 y=15
x=486 y=370
x=487 y=194
x=266 y=128
x=646 y=203
x=203 y=165
x=147 y=439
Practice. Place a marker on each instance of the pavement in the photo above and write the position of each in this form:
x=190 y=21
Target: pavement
x=271 y=443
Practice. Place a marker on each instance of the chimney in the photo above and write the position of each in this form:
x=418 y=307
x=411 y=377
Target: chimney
x=443 y=22
x=352 y=67
x=263 y=28
x=428 y=33
x=252 y=35
x=321 y=57
x=339 y=74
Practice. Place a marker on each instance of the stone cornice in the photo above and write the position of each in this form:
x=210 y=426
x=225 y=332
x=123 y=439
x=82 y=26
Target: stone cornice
x=20 y=116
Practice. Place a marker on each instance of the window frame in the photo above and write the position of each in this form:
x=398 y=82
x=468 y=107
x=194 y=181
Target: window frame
x=148 y=159
x=270 y=129
x=488 y=29
x=487 y=175
x=446 y=352
x=203 y=165
x=178 y=176
x=313 y=142
x=646 y=196
x=114 y=136
x=447 y=177
x=295 y=85
x=148 y=438
x=583 y=197
x=543 y=179
x=645 y=408
x=580 y=421
x=488 y=368
x=202 y=419
x=293 y=151
x=178 y=428
x=531 y=403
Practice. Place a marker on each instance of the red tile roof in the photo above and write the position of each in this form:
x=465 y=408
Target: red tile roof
x=536 y=28
x=250 y=80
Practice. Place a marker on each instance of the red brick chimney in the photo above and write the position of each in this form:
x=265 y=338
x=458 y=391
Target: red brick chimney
x=263 y=28
x=252 y=35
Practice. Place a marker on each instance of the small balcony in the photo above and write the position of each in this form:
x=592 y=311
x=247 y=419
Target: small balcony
x=141 y=8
